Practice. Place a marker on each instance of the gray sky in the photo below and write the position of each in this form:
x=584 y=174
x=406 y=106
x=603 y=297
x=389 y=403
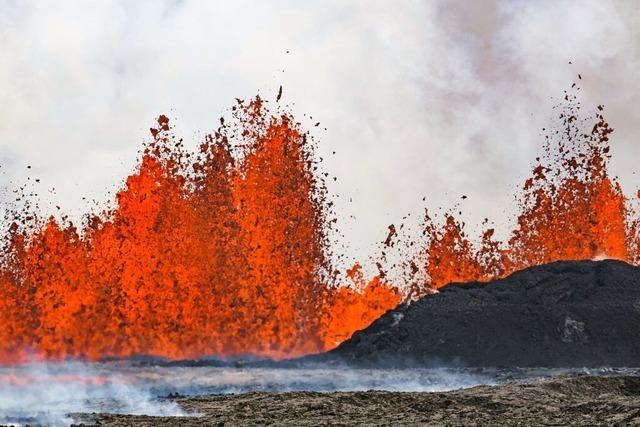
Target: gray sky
x=419 y=98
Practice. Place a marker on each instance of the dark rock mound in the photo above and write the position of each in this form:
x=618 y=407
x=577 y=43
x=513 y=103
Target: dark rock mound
x=564 y=314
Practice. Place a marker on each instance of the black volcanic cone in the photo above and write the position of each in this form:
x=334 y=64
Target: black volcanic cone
x=564 y=314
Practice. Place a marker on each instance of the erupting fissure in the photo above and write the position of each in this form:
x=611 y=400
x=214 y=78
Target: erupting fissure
x=224 y=252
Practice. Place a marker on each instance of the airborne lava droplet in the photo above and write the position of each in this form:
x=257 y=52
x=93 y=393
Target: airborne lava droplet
x=392 y=232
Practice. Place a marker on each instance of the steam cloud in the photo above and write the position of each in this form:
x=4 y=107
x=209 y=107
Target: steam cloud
x=47 y=394
x=435 y=98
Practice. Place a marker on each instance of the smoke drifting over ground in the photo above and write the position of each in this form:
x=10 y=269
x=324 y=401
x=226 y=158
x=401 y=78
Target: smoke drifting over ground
x=434 y=99
x=56 y=394
x=50 y=394
x=46 y=394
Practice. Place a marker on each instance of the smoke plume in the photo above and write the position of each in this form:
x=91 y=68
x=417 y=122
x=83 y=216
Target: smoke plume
x=424 y=99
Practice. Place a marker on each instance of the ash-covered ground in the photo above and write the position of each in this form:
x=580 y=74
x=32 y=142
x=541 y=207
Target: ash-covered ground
x=570 y=400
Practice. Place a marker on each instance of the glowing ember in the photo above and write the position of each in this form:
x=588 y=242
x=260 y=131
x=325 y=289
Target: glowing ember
x=225 y=252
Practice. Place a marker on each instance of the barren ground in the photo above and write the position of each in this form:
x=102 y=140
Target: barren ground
x=567 y=400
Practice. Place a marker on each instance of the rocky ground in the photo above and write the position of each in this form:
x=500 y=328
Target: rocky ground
x=567 y=400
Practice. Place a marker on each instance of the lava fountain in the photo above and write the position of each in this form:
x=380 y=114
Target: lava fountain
x=220 y=252
x=224 y=251
x=570 y=209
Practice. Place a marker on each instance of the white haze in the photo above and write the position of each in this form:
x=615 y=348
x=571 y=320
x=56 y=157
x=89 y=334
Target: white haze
x=50 y=393
x=47 y=393
x=434 y=99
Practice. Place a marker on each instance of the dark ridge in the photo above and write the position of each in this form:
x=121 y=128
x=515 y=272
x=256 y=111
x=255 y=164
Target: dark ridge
x=563 y=314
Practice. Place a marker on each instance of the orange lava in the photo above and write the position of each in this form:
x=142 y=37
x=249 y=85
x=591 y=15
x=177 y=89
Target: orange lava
x=570 y=209
x=224 y=252
x=203 y=254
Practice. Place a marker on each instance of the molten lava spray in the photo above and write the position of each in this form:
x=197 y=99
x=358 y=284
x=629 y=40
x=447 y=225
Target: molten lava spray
x=225 y=251
x=220 y=252
x=570 y=209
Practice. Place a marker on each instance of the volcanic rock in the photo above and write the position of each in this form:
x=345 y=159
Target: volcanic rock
x=564 y=314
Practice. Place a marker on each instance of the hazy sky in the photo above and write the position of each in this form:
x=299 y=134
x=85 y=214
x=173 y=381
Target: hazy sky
x=419 y=98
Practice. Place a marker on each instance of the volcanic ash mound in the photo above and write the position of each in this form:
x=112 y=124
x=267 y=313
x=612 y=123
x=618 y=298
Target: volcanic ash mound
x=564 y=314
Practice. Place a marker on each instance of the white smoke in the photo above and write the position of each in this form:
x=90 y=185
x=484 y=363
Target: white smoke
x=56 y=393
x=48 y=393
x=420 y=98
x=51 y=393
